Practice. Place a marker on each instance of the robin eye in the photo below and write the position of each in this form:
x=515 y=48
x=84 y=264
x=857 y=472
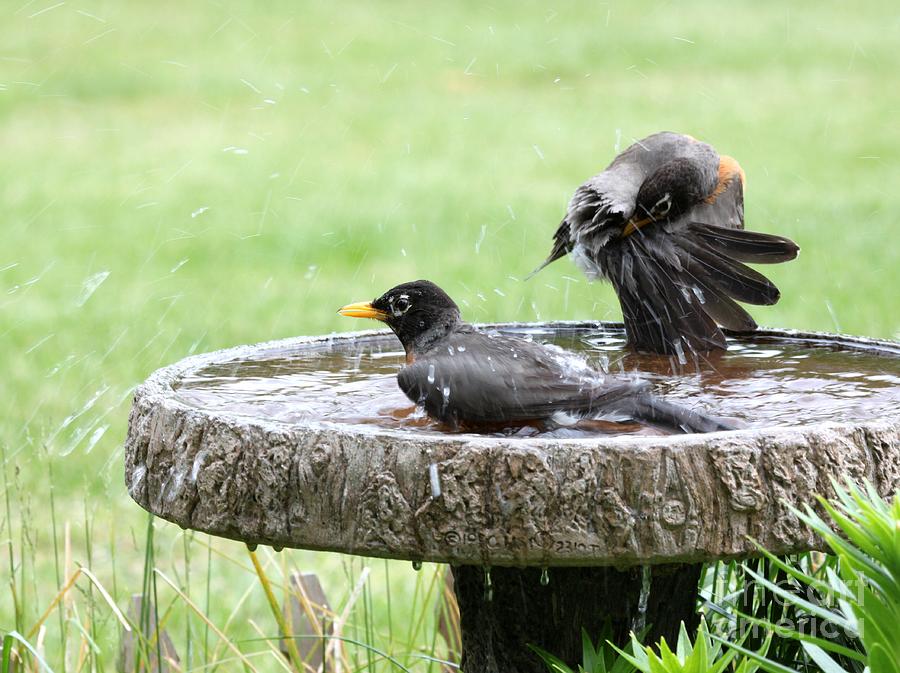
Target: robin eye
x=401 y=305
x=662 y=207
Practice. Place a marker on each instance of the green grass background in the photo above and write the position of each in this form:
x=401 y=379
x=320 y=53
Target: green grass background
x=378 y=142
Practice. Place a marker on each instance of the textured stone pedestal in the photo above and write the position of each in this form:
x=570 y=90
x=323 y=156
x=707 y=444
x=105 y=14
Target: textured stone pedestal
x=568 y=504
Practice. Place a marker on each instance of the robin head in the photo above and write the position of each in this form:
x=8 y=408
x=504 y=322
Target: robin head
x=672 y=189
x=419 y=313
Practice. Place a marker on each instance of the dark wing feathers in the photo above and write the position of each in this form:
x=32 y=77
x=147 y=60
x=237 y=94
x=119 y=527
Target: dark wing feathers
x=733 y=278
x=677 y=282
x=745 y=246
x=722 y=308
x=502 y=379
x=507 y=380
x=662 y=312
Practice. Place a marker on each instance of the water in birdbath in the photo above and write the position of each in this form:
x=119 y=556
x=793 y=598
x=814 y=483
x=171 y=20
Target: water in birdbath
x=762 y=380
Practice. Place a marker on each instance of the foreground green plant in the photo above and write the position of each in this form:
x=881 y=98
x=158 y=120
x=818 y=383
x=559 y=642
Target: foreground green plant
x=864 y=586
x=704 y=655
x=599 y=658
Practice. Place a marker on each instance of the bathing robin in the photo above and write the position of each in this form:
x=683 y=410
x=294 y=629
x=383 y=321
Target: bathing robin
x=664 y=223
x=474 y=379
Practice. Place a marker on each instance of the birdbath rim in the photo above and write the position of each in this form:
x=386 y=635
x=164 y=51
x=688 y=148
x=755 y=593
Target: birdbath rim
x=488 y=500
x=161 y=381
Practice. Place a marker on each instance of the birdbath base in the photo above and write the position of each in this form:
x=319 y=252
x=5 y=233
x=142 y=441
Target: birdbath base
x=517 y=609
x=308 y=443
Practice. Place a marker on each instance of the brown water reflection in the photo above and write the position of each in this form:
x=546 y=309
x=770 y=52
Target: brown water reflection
x=760 y=381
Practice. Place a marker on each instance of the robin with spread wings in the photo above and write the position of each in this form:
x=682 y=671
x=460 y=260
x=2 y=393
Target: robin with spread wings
x=664 y=223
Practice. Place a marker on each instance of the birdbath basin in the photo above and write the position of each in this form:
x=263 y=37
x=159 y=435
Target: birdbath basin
x=308 y=443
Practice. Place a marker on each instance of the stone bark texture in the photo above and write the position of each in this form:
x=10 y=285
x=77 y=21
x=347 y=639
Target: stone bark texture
x=522 y=611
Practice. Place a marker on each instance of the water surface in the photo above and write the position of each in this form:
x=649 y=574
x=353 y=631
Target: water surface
x=759 y=381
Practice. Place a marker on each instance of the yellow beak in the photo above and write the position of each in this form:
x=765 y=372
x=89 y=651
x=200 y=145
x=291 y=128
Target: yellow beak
x=633 y=225
x=362 y=309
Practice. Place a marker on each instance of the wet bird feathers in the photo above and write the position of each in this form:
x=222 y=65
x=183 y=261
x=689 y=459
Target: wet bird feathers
x=477 y=377
x=468 y=378
x=473 y=378
x=680 y=275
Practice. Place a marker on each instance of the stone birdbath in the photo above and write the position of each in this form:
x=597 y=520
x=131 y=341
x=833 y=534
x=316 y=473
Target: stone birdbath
x=308 y=443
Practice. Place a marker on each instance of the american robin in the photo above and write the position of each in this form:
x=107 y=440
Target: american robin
x=473 y=379
x=664 y=223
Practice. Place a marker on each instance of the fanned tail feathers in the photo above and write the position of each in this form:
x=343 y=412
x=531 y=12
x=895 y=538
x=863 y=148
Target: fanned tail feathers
x=676 y=287
x=746 y=246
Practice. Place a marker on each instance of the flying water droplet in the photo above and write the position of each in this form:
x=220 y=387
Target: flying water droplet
x=545 y=576
x=480 y=239
x=90 y=286
x=488 y=585
x=430 y=373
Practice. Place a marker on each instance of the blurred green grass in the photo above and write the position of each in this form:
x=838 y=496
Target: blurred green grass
x=377 y=143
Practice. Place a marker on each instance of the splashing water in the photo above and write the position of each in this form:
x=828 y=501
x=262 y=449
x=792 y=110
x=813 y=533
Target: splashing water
x=89 y=287
x=761 y=381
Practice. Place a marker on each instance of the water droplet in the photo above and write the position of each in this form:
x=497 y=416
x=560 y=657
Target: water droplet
x=277 y=548
x=446 y=393
x=430 y=373
x=90 y=286
x=461 y=348
x=699 y=294
x=488 y=585
x=417 y=565
x=435 y=479
x=251 y=547
x=640 y=619
x=545 y=576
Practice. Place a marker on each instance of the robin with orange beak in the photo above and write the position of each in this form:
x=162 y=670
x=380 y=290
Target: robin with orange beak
x=664 y=223
x=473 y=379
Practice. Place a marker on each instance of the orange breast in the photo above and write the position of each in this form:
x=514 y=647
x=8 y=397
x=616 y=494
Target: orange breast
x=729 y=169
